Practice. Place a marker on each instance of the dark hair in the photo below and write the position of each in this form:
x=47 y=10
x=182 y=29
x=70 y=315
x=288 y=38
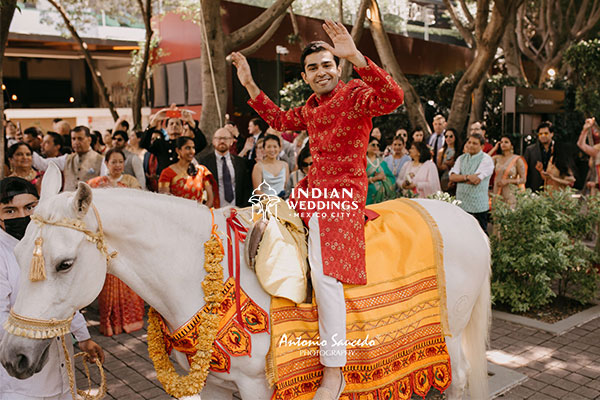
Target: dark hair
x=262 y=125
x=123 y=134
x=182 y=141
x=33 y=131
x=84 y=129
x=273 y=137
x=371 y=138
x=424 y=152
x=14 y=186
x=478 y=137
x=13 y=149
x=56 y=138
x=510 y=139
x=546 y=124
x=562 y=159
x=97 y=138
x=138 y=134
x=304 y=154
x=112 y=151
x=315 y=47
x=399 y=138
x=458 y=147
x=55 y=120
x=125 y=125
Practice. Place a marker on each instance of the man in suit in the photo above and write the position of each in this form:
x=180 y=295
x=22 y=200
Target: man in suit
x=230 y=172
x=256 y=130
x=539 y=152
x=436 y=140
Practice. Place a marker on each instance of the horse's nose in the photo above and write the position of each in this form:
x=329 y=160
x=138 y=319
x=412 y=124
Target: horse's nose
x=19 y=367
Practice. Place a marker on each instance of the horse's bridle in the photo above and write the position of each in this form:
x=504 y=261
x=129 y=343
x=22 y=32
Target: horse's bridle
x=46 y=329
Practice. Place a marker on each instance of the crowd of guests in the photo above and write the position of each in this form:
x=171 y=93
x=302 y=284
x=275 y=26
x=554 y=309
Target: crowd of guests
x=167 y=158
x=476 y=172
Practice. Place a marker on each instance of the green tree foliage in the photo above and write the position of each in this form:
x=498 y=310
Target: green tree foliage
x=584 y=59
x=538 y=246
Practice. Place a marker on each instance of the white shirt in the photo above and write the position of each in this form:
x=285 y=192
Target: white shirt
x=52 y=380
x=440 y=140
x=41 y=164
x=485 y=169
x=225 y=203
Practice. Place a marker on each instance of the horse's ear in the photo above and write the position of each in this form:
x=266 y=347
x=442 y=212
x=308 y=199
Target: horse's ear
x=82 y=199
x=52 y=181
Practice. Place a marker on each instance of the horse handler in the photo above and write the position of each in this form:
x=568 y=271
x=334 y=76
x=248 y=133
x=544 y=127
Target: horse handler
x=338 y=120
x=18 y=198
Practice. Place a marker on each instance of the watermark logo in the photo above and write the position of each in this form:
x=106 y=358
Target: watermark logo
x=327 y=202
x=263 y=203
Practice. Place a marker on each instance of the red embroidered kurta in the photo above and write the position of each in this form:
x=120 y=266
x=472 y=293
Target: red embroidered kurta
x=338 y=126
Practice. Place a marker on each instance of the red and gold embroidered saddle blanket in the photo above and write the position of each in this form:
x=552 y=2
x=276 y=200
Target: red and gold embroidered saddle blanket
x=397 y=321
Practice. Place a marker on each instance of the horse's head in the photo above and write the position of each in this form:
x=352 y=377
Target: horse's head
x=74 y=270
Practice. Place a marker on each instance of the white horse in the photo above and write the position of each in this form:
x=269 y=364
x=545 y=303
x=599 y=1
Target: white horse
x=160 y=256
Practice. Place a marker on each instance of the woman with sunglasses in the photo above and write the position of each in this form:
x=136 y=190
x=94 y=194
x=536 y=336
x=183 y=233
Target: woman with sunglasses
x=186 y=178
x=446 y=158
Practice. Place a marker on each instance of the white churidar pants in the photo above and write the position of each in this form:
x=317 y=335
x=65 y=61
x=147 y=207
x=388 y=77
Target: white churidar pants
x=329 y=295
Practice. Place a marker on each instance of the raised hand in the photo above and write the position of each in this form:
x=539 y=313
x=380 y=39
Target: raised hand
x=589 y=123
x=244 y=73
x=343 y=45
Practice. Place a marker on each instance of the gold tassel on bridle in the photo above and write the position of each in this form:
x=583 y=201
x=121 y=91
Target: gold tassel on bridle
x=37 y=270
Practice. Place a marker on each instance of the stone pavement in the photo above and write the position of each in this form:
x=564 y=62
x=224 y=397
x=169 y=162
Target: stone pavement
x=565 y=367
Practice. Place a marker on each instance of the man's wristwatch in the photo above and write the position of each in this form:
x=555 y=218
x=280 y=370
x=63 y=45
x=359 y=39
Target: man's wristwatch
x=466 y=178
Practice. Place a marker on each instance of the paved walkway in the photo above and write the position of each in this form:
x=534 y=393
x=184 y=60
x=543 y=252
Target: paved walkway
x=565 y=367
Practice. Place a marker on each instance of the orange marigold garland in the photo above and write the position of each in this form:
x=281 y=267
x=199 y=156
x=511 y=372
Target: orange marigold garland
x=179 y=386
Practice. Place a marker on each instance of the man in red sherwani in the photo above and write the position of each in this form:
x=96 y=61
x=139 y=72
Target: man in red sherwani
x=338 y=120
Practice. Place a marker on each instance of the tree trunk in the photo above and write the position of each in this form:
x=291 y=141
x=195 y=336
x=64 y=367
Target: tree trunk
x=486 y=49
x=416 y=115
x=88 y=58
x=210 y=120
x=7 y=11
x=138 y=90
x=477 y=103
x=301 y=41
x=512 y=54
x=216 y=46
x=357 y=31
x=341 y=10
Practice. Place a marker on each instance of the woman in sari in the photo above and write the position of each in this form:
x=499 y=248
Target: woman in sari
x=115 y=163
x=185 y=178
x=20 y=159
x=379 y=176
x=121 y=309
x=511 y=171
x=559 y=172
x=420 y=175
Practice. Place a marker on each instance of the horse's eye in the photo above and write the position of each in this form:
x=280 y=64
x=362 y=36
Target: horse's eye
x=64 y=266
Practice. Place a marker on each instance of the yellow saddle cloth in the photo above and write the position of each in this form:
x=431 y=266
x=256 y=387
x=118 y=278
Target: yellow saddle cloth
x=397 y=321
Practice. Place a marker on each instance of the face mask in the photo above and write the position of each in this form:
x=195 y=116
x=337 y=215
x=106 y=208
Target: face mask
x=16 y=227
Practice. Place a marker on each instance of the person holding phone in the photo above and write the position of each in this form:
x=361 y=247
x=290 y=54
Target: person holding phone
x=164 y=148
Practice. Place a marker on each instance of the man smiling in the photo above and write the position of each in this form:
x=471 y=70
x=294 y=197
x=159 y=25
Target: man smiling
x=338 y=120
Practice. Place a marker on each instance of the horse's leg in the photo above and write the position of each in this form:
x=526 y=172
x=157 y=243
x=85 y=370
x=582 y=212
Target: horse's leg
x=254 y=388
x=460 y=368
x=217 y=388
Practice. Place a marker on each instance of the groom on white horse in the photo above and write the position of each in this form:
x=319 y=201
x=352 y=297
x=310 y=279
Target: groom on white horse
x=338 y=120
